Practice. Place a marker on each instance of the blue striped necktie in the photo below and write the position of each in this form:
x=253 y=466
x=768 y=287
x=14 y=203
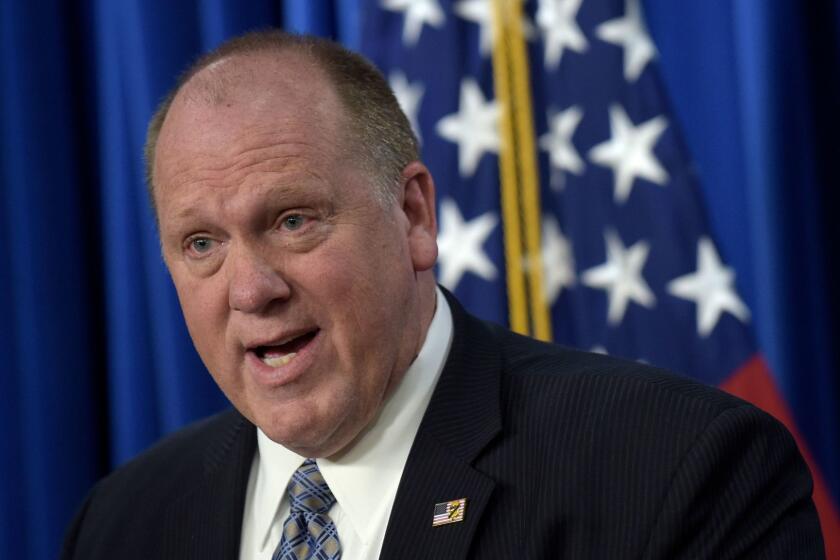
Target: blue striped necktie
x=308 y=531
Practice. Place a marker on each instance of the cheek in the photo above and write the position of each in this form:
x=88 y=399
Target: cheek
x=204 y=307
x=369 y=324
x=367 y=298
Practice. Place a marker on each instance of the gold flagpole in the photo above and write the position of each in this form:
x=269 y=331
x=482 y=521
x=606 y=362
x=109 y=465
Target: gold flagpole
x=520 y=190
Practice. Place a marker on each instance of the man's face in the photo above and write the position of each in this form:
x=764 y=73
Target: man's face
x=306 y=297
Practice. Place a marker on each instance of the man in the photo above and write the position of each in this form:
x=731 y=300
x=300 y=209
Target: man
x=374 y=417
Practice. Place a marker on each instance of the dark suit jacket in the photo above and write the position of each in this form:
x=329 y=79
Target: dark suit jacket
x=559 y=453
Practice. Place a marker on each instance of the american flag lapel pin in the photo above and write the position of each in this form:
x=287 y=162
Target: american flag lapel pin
x=449 y=512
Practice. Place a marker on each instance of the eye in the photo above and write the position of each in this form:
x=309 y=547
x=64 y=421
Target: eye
x=200 y=245
x=293 y=222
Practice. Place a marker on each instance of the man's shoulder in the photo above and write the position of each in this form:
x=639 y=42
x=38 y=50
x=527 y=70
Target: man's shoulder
x=547 y=370
x=627 y=451
x=593 y=400
x=171 y=466
x=190 y=449
x=132 y=508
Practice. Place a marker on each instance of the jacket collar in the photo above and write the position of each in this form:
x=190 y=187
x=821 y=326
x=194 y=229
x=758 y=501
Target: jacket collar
x=463 y=416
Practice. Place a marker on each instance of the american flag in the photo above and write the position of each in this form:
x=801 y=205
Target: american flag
x=449 y=512
x=629 y=266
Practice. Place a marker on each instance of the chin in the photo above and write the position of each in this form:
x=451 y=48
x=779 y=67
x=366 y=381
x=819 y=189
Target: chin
x=305 y=437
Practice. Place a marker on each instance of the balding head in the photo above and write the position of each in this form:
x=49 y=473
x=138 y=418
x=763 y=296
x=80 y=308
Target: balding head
x=374 y=128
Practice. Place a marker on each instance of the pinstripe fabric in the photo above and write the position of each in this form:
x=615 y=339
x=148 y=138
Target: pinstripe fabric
x=563 y=454
x=560 y=454
x=308 y=532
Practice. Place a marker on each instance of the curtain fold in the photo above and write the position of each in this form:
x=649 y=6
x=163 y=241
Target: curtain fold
x=50 y=416
x=755 y=85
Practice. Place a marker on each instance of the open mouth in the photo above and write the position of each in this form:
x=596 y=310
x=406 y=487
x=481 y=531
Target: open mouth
x=277 y=355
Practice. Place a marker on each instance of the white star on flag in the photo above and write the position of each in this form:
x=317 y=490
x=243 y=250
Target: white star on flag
x=409 y=97
x=629 y=152
x=630 y=32
x=557 y=259
x=711 y=287
x=557 y=20
x=417 y=13
x=621 y=277
x=481 y=13
x=558 y=141
x=460 y=245
x=474 y=127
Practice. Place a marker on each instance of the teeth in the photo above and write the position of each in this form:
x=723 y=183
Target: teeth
x=277 y=361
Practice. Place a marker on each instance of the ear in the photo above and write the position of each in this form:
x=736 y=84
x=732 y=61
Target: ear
x=418 y=205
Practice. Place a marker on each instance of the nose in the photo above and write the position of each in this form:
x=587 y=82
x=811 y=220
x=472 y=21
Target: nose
x=253 y=283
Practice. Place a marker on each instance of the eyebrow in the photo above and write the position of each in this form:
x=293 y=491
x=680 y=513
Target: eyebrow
x=273 y=195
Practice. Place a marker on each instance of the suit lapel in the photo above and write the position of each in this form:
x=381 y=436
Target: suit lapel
x=462 y=418
x=206 y=522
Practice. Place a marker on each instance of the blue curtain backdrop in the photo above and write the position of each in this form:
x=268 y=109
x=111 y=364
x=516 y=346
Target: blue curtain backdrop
x=95 y=362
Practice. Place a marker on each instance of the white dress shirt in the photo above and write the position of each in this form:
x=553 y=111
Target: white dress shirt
x=364 y=480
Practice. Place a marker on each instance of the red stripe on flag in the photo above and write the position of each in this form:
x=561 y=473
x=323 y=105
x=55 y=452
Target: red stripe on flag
x=754 y=383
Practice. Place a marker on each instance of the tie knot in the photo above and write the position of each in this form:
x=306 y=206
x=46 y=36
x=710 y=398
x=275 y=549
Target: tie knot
x=308 y=491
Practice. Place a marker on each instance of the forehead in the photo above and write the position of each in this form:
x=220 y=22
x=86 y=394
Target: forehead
x=249 y=99
x=288 y=77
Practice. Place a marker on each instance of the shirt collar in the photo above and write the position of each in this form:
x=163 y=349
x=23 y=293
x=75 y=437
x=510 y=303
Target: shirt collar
x=364 y=479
